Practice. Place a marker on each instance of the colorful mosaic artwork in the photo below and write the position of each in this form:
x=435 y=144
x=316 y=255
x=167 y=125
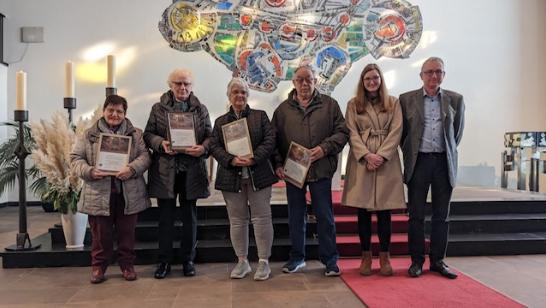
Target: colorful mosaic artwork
x=264 y=41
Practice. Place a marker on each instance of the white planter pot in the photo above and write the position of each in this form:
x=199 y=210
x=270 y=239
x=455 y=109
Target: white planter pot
x=74 y=226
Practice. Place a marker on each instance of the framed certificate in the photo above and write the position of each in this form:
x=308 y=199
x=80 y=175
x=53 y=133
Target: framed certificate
x=237 y=138
x=297 y=164
x=181 y=130
x=113 y=153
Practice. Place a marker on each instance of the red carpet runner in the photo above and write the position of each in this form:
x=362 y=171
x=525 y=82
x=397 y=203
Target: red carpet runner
x=429 y=290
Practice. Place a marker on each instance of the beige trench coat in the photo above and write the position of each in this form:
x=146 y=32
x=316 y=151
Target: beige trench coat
x=376 y=132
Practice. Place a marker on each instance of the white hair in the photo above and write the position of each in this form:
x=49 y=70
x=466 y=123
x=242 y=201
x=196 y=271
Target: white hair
x=239 y=82
x=179 y=72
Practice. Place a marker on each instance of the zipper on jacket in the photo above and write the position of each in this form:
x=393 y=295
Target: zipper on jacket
x=124 y=197
x=252 y=179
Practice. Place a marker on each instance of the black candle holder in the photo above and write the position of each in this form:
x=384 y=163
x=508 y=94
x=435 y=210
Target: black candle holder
x=111 y=91
x=21 y=152
x=69 y=105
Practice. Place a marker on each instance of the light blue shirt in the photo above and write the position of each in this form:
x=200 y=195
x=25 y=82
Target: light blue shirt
x=432 y=140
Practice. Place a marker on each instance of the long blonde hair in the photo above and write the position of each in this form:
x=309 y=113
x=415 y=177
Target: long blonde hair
x=361 y=99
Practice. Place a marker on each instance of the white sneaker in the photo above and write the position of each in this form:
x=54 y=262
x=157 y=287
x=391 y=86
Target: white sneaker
x=263 y=271
x=241 y=270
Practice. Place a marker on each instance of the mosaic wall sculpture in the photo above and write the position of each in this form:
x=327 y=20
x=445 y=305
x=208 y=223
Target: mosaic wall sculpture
x=264 y=41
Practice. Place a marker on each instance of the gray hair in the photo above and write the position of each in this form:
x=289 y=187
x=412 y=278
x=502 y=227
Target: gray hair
x=305 y=66
x=239 y=82
x=179 y=72
x=433 y=59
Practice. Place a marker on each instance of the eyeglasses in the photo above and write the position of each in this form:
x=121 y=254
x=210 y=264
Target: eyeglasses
x=374 y=78
x=432 y=72
x=180 y=83
x=239 y=92
x=306 y=80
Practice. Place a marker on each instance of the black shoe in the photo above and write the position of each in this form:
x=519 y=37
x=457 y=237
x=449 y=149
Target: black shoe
x=443 y=269
x=162 y=270
x=188 y=269
x=415 y=270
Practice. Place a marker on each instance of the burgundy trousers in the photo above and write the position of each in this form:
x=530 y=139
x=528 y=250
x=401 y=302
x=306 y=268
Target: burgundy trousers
x=102 y=230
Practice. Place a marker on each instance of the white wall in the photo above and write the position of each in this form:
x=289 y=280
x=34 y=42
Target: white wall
x=3 y=110
x=492 y=51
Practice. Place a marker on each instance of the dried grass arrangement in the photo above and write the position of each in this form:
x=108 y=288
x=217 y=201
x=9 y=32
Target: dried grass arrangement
x=54 y=141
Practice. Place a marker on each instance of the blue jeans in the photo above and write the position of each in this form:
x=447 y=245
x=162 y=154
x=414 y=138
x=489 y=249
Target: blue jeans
x=321 y=196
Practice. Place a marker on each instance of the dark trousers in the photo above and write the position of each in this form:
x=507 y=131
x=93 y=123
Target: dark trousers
x=430 y=171
x=383 y=229
x=321 y=200
x=167 y=217
x=102 y=230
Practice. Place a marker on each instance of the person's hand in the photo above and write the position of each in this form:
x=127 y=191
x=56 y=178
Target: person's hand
x=97 y=174
x=374 y=160
x=241 y=162
x=280 y=173
x=125 y=173
x=167 y=147
x=370 y=167
x=195 y=150
x=246 y=162
x=316 y=153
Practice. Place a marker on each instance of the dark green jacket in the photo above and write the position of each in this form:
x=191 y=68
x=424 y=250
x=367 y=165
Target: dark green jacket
x=320 y=124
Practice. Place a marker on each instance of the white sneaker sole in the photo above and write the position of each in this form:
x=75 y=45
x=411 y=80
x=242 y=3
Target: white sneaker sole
x=332 y=274
x=299 y=267
x=262 y=278
x=243 y=275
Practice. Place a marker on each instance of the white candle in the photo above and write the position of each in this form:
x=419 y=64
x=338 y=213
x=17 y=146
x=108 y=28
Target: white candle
x=21 y=90
x=69 y=79
x=111 y=61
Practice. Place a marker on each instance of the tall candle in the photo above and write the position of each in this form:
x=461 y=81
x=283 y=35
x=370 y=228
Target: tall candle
x=69 y=79
x=21 y=90
x=111 y=61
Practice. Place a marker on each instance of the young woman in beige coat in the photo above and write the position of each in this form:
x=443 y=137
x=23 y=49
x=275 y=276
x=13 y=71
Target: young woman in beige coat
x=373 y=180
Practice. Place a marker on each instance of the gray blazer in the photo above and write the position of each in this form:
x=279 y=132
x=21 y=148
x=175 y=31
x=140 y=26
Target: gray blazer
x=452 y=108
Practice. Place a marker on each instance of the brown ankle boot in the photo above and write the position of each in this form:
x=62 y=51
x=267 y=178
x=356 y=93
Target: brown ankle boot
x=97 y=275
x=385 y=264
x=366 y=264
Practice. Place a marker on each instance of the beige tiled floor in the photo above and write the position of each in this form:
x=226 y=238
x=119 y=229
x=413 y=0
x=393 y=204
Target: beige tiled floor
x=520 y=277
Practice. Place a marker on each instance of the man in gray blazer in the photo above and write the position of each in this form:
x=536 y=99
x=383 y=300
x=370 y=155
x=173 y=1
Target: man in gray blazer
x=433 y=127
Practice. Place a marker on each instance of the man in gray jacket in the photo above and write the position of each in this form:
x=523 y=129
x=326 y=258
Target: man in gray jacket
x=314 y=121
x=433 y=127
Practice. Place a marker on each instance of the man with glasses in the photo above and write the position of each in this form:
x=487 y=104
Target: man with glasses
x=181 y=173
x=314 y=121
x=433 y=128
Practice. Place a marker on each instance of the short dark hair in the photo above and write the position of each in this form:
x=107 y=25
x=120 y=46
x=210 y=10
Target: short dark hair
x=115 y=100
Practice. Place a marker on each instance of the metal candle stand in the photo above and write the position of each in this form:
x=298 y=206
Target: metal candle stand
x=21 y=152
x=69 y=105
x=111 y=91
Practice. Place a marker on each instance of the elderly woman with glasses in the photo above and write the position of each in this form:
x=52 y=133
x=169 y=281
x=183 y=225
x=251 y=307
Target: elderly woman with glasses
x=178 y=173
x=246 y=182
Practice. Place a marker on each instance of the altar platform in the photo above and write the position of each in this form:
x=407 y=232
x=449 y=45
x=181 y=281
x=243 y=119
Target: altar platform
x=484 y=221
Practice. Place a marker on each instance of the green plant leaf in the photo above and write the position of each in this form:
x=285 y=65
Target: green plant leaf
x=8 y=160
x=39 y=187
x=8 y=176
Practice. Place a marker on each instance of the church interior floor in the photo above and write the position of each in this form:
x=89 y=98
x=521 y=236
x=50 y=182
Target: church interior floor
x=522 y=278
